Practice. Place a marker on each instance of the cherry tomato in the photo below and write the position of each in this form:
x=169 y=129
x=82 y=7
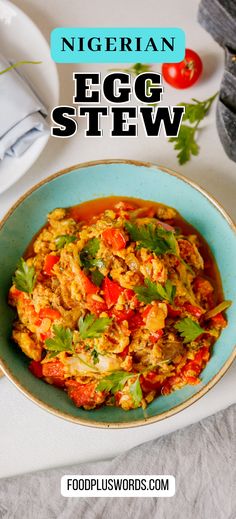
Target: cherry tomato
x=114 y=238
x=112 y=291
x=49 y=263
x=184 y=74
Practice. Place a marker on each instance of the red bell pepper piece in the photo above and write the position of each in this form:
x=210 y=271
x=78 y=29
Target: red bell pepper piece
x=193 y=310
x=36 y=368
x=114 y=238
x=112 y=291
x=96 y=307
x=89 y=287
x=50 y=261
x=49 y=313
x=122 y=315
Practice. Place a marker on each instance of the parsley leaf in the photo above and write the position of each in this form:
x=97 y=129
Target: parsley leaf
x=95 y=354
x=189 y=329
x=185 y=141
x=62 y=340
x=25 y=277
x=90 y=326
x=152 y=237
x=155 y=291
x=88 y=254
x=136 y=392
x=63 y=240
x=114 y=382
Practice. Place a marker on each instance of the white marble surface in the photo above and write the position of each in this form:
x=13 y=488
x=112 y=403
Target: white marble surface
x=30 y=438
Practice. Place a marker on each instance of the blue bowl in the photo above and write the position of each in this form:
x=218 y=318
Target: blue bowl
x=122 y=178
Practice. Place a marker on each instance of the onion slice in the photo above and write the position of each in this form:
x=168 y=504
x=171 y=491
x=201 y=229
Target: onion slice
x=218 y=309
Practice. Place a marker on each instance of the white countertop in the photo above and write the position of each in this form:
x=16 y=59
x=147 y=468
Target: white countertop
x=30 y=438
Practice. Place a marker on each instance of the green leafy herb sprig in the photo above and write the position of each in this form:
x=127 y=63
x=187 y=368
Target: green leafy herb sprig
x=185 y=142
x=155 y=292
x=25 y=277
x=63 y=240
x=91 y=327
x=88 y=254
x=61 y=341
x=116 y=381
x=189 y=329
x=152 y=237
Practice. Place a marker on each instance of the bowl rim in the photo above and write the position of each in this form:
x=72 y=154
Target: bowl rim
x=179 y=407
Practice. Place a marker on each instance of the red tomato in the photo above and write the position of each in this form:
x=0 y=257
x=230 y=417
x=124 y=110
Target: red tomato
x=136 y=322
x=154 y=337
x=49 y=313
x=84 y=394
x=202 y=355
x=36 y=368
x=173 y=312
x=149 y=382
x=191 y=368
x=112 y=291
x=124 y=352
x=122 y=315
x=146 y=311
x=193 y=310
x=89 y=287
x=219 y=321
x=49 y=263
x=15 y=294
x=96 y=307
x=114 y=238
x=183 y=74
x=54 y=371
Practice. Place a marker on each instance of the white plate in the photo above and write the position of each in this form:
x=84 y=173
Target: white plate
x=20 y=39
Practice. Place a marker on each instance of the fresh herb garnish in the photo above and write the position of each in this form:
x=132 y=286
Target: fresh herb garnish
x=95 y=355
x=153 y=237
x=63 y=240
x=116 y=381
x=136 y=392
x=185 y=141
x=62 y=340
x=25 y=277
x=189 y=329
x=88 y=254
x=90 y=326
x=155 y=291
x=97 y=277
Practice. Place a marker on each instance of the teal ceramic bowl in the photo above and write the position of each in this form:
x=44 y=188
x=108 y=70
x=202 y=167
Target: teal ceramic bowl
x=98 y=179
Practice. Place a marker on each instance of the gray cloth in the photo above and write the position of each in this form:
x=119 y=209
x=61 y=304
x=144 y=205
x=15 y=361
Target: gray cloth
x=202 y=457
x=22 y=119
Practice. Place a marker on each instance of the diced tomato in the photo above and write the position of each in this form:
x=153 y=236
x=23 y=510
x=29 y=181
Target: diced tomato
x=192 y=380
x=49 y=313
x=114 y=238
x=219 y=321
x=131 y=297
x=149 y=382
x=136 y=322
x=154 y=337
x=96 y=307
x=124 y=352
x=146 y=311
x=122 y=315
x=49 y=263
x=191 y=368
x=112 y=291
x=54 y=372
x=89 y=287
x=45 y=335
x=14 y=293
x=84 y=394
x=173 y=312
x=202 y=355
x=193 y=310
x=36 y=368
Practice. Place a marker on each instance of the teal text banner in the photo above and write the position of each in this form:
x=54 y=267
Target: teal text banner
x=117 y=45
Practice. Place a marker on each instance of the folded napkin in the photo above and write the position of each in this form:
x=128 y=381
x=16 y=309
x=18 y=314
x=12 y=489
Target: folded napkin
x=22 y=119
x=202 y=457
